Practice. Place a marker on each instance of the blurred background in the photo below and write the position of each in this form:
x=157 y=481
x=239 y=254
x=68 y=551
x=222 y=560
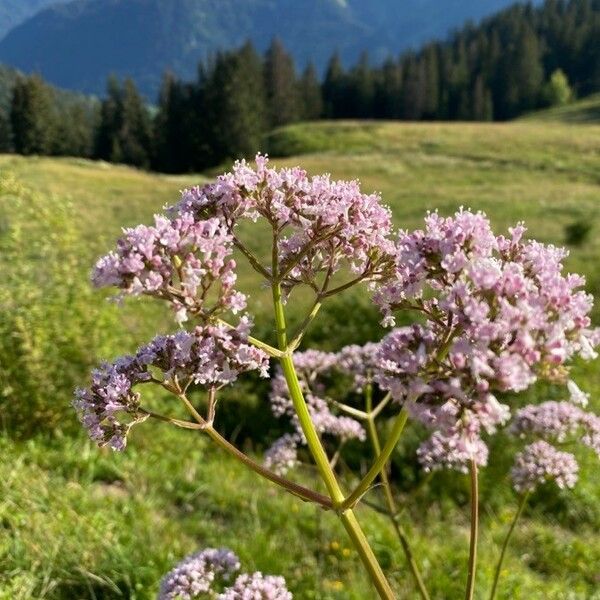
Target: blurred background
x=109 y=107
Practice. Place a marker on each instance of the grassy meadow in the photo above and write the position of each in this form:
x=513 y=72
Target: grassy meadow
x=79 y=522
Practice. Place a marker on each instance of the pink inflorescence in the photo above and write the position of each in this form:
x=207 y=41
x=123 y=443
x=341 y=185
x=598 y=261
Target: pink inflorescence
x=499 y=315
x=540 y=462
x=198 y=574
x=211 y=355
x=257 y=586
x=313 y=367
x=181 y=260
x=320 y=222
x=361 y=362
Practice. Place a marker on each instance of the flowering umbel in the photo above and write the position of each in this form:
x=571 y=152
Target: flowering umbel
x=499 y=315
x=207 y=574
x=211 y=356
x=318 y=222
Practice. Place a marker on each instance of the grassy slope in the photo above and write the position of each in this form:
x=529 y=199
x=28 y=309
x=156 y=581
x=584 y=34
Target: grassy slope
x=586 y=110
x=87 y=524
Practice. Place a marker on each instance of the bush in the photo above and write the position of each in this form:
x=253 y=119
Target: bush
x=52 y=326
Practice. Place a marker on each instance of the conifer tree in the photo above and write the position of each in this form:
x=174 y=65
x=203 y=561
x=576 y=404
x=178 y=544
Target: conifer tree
x=31 y=116
x=236 y=104
x=309 y=92
x=334 y=88
x=280 y=86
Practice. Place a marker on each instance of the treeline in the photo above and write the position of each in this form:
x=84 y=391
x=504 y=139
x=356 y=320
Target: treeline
x=518 y=60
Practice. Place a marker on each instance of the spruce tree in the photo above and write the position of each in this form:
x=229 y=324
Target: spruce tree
x=106 y=144
x=280 y=86
x=334 y=88
x=135 y=133
x=31 y=116
x=236 y=104
x=310 y=95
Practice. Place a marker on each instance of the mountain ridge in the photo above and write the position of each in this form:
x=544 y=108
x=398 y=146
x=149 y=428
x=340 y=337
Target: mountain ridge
x=76 y=45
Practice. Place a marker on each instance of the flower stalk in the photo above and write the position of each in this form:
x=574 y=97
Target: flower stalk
x=522 y=503
x=470 y=590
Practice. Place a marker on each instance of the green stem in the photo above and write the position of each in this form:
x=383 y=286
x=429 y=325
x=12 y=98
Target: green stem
x=474 y=531
x=519 y=512
x=380 y=462
x=391 y=503
x=320 y=457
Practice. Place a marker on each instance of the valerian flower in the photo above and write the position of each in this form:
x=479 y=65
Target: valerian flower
x=198 y=574
x=206 y=574
x=319 y=222
x=257 y=586
x=361 y=362
x=181 y=260
x=211 y=356
x=499 y=315
x=541 y=462
x=312 y=366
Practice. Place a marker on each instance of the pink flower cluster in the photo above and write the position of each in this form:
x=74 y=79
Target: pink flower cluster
x=211 y=355
x=361 y=362
x=313 y=368
x=319 y=222
x=557 y=422
x=499 y=314
x=205 y=573
x=257 y=587
x=198 y=574
x=540 y=462
x=181 y=260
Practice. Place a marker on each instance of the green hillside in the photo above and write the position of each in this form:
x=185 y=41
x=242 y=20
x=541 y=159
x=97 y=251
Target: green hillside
x=82 y=523
x=586 y=110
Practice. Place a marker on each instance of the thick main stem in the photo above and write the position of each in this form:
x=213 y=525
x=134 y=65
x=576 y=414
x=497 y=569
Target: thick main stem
x=320 y=457
x=474 y=531
x=391 y=503
x=505 y=544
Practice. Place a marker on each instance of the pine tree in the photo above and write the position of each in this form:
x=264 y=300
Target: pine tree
x=280 y=86
x=309 y=92
x=360 y=90
x=135 y=133
x=432 y=82
x=388 y=89
x=6 y=137
x=334 y=88
x=31 y=116
x=106 y=143
x=236 y=104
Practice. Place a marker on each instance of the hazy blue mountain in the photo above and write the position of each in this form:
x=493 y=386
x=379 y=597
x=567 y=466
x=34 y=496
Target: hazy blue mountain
x=13 y=12
x=76 y=45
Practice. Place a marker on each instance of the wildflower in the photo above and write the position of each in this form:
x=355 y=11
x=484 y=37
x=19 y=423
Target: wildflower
x=181 y=260
x=257 y=587
x=540 y=462
x=320 y=222
x=360 y=362
x=212 y=356
x=199 y=574
x=283 y=454
x=499 y=315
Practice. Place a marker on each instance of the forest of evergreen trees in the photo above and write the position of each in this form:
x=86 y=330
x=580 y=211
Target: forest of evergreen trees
x=516 y=61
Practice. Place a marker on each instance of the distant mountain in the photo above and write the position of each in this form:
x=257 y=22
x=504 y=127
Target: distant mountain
x=14 y=12
x=76 y=45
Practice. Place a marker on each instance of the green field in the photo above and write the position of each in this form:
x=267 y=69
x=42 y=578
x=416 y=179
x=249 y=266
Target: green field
x=78 y=522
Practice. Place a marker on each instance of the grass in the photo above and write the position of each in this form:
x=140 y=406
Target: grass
x=76 y=522
x=586 y=110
